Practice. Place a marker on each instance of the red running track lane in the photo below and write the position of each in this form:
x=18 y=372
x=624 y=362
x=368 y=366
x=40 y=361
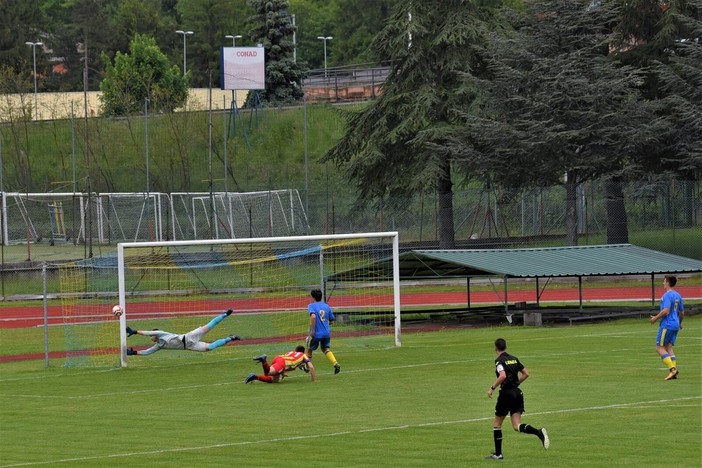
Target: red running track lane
x=32 y=316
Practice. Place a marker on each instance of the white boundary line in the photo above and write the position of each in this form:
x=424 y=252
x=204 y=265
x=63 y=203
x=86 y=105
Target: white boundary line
x=336 y=434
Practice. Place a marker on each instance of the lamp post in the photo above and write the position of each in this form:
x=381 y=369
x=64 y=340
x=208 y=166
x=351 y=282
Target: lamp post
x=324 y=39
x=234 y=98
x=294 y=39
x=34 y=45
x=185 y=45
x=233 y=38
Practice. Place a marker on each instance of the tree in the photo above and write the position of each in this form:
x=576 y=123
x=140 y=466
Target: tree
x=395 y=146
x=558 y=103
x=210 y=20
x=314 y=18
x=664 y=38
x=15 y=122
x=144 y=73
x=131 y=17
x=272 y=27
x=355 y=25
x=21 y=21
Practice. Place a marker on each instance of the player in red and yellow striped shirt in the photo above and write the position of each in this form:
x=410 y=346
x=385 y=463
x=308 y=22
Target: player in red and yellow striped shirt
x=288 y=362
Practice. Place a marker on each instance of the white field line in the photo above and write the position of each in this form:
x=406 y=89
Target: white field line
x=276 y=440
x=488 y=344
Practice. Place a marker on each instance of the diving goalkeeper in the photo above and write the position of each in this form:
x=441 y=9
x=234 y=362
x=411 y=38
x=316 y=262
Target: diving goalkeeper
x=190 y=341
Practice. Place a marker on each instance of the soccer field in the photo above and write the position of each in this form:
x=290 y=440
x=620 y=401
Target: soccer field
x=598 y=389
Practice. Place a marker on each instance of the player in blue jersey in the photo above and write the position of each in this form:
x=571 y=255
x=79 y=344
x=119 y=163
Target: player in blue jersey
x=190 y=341
x=671 y=316
x=321 y=317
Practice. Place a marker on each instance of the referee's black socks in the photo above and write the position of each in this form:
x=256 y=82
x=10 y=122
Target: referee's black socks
x=497 y=438
x=528 y=429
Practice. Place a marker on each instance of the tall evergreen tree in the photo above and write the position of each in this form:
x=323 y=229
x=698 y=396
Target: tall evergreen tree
x=661 y=38
x=211 y=21
x=20 y=21
x=665 y=40
x=393 y=147
x=356 y=24
x=558 y=104
x=273 y=28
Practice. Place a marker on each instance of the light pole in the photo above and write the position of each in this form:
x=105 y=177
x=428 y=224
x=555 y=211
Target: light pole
x=233 y=38
x=325 y=39
x=294 y=39
x=185 y=46
x=34 y=45
x=234 y=102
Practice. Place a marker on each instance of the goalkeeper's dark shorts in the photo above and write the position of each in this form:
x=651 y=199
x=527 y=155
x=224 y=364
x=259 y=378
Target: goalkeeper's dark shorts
x=509 y=401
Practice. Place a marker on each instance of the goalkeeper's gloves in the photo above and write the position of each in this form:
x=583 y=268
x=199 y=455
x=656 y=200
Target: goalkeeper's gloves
x=130 y=331
x=131 y=352
x=229 y=312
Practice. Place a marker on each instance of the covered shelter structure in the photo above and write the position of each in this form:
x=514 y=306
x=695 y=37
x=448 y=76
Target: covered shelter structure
x=541 y=264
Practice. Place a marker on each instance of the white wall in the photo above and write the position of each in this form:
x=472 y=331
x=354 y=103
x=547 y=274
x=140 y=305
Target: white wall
x=58 y=105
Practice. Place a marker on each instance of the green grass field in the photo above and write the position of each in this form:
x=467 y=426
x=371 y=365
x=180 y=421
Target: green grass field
x=598 y=389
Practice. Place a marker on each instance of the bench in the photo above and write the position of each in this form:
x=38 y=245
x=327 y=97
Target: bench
x=574 y=315
x=614 y=315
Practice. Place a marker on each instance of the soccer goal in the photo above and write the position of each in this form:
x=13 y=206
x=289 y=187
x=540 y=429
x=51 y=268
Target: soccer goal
x=88 y=292
x=180 y=285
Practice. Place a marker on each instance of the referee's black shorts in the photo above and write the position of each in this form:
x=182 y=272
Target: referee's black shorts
x=509 y=401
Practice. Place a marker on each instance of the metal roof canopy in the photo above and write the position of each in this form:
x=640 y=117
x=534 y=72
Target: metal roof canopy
x=546 y=262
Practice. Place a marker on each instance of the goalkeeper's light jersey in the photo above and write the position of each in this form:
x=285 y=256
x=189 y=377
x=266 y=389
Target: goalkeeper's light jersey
x=166 y=340
x=293 y=359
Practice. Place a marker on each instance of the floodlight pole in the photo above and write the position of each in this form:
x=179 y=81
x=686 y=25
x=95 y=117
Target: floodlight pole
x=34 y=45
x=324 y=39
x=233 y=38
x=294 y=40
x=185 y=46
x=234 y=96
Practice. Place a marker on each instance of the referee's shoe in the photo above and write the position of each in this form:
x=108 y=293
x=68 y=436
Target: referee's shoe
x=543 y=435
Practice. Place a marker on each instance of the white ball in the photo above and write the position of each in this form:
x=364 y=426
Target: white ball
x=117 y=310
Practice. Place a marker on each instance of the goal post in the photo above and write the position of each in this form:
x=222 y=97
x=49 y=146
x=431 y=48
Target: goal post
x=179 y=285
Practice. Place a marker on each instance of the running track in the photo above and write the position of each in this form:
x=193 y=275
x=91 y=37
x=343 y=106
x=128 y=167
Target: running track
x=32 y=316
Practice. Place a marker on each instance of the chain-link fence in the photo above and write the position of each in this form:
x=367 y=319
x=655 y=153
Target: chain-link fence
x=655 y=211
x=481 y=218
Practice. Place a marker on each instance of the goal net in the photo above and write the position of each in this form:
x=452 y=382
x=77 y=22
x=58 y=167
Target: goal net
x=178 y=286
x=110 y=218
x=88 y=292
x=228 y=215
x=105 y=218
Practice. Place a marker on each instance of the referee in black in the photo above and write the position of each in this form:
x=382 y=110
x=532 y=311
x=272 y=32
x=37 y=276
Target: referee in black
x=510 y=373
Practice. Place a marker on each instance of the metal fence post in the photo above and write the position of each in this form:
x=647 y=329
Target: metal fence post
x=46 y=315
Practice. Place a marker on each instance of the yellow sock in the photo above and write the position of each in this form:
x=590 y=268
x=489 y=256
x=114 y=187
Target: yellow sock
x=330 y=357
x=669 y=362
